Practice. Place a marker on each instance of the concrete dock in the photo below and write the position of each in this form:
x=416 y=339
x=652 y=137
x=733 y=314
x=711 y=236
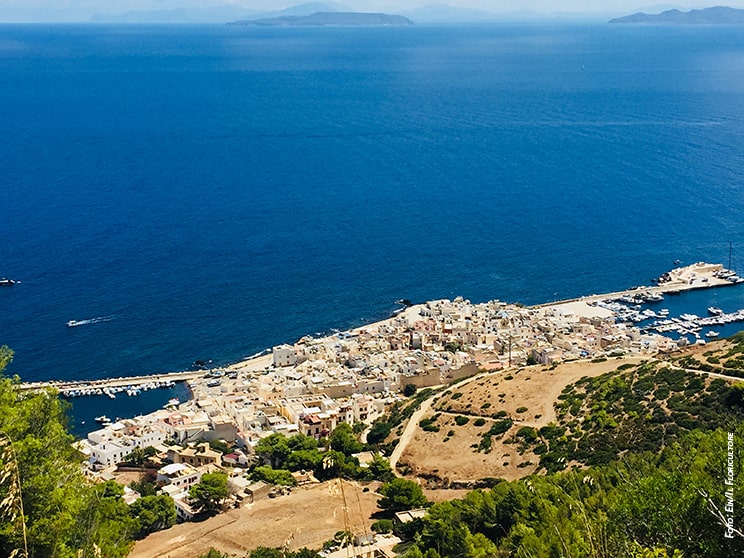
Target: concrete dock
x=133 y=381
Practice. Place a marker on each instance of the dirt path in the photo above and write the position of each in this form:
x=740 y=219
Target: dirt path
x=451 y=455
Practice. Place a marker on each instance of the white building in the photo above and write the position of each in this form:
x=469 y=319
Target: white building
x=284 y=355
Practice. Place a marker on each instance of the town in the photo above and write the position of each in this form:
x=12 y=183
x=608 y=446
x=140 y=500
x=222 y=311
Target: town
x=353 y=376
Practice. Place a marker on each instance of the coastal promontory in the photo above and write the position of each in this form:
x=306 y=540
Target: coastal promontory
x=329 y=18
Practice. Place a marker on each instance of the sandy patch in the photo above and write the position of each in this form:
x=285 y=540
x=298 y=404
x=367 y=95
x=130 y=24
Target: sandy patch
x=306 y=518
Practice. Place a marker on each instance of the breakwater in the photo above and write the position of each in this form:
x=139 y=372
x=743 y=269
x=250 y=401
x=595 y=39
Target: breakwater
x=105 y=386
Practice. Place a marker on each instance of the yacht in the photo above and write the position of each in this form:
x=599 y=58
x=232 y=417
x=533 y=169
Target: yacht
x=712 y=334
x=715 y=311
x=5 y=282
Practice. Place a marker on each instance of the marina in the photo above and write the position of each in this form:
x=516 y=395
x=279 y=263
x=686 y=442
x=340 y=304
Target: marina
x=110 y=387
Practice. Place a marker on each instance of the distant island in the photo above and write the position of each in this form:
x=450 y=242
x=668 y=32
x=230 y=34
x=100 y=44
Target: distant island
x=718 y=15
x=328 y=18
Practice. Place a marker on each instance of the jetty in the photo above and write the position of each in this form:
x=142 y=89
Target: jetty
x=103 y=386
x=700 y=275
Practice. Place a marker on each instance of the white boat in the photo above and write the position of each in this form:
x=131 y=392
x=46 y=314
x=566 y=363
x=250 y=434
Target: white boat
x=103 y=419
x=714 y=311
x=75 y=323
x=712 y=334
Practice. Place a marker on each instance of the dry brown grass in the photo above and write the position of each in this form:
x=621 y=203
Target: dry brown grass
x=307 y=518
x=429 y=457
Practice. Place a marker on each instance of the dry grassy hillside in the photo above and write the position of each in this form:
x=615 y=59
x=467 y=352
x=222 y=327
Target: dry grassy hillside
x=459 y=453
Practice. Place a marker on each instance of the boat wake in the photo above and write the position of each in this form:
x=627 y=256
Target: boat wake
x=75 y=323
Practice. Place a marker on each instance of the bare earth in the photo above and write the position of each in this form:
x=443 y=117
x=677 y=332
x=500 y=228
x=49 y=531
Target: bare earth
x=307 y=518
x=536 y=388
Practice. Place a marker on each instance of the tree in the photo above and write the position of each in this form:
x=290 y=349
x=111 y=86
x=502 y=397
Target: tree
x=303 y=459
x=273 y=450
x=379 y=469
x=343 y=440
x=274 y=476
x=265 y=552
x=401 y=494
x=145 y=486
x=409 y=390
x=210 y=493
x=137 y=457
x=300 y=442
x=154 y=513
x=214 y=553
x=220 y=446
x=62 y=513
x=383 y=526
x=379 y=431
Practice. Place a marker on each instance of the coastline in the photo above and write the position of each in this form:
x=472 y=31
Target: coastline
x=696 y=276
x=688 y=278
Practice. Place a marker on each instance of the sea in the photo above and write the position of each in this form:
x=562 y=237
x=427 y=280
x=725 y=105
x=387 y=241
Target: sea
x=214 y=190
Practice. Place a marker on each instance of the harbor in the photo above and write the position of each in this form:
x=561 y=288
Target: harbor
x=579 y=328
x=132 y=385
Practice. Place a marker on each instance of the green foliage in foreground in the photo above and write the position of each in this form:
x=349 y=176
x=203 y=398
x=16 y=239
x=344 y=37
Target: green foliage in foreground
x=64 y=515
x=645 y=505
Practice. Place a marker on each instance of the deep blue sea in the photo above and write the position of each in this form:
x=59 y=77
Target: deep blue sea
x=217 y=190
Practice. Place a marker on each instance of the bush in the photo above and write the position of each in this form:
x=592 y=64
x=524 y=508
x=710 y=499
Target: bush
x=383 y=526
x=461 y=420
x=378 y=432
x=527 y=432
x=500 y=426
x=409 y=390
x=521 y=409
x=479 y=421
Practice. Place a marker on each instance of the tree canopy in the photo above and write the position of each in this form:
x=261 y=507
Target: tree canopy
x=209 y=495
x=63 y=513
x=401 y=494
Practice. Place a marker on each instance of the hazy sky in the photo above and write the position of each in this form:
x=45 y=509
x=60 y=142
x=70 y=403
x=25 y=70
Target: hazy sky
x=82 y=10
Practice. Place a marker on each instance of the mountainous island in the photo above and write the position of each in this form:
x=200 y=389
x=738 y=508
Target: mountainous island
x=718 y=15
x=329 y=18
